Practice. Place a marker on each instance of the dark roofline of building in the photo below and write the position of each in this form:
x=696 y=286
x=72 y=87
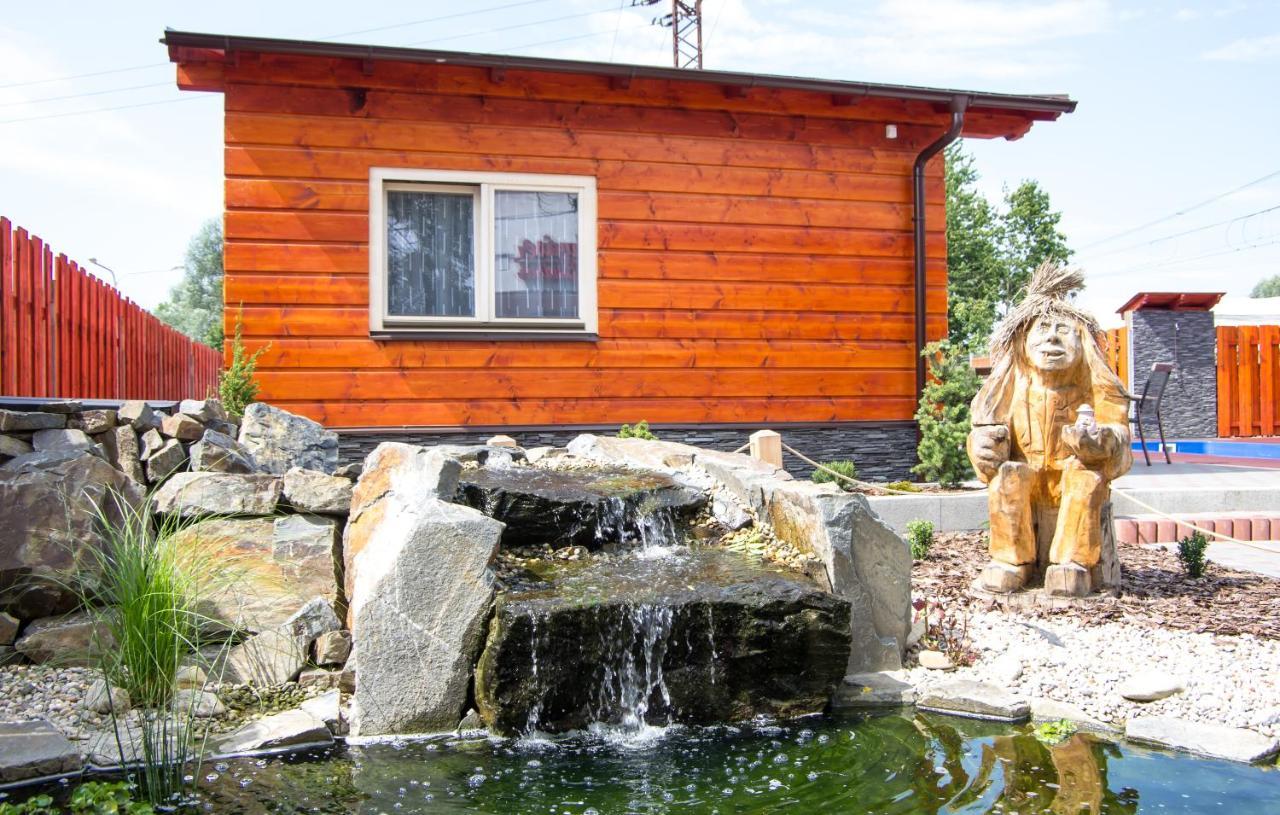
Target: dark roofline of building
x=1047 y=106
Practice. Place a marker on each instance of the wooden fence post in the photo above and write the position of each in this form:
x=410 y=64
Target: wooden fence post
x=766 y=445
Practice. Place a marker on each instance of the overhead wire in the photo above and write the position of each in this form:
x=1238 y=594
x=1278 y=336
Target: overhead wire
x=512 y=27
x=82 y=95
x=1192 y=231
x=81 y=76
x=186 y=98
x=469 y=13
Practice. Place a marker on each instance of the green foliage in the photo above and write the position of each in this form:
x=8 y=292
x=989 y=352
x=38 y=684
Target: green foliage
x=1267 y=287
x=1052 y=733
x=236 y=386
x=943 y=415
x=920 y=538
x=1191 y=551
x=639 y=430
x=36 y=805
x=903 y=486
x=992 y=251
x=195 y=304
x=845 y=468
x=92 y=798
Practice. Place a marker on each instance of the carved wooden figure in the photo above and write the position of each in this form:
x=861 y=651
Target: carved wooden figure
x=1050 y=433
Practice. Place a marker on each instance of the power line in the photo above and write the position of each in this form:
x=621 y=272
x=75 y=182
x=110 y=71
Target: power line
x=186 y=98
x=617 y=25
x=82 y=76
x=715 y=22
x=1185 y=232
x=88 y=93
x=1272 y=240
x=512 y=27
x=1184 y=211
x=568 y=39
x=435 y=19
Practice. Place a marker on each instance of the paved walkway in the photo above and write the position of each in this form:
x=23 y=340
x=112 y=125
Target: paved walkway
x=1242 y=558
x=1181 y=475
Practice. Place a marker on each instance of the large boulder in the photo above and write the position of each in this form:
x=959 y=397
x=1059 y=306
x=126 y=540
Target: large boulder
x=124 y=452
x=34 y=749
x=311 y=491
x=276 y=564
x=67 y=640
x=170 y=457
x=51 y=505
x=14 y=421
x=394 y=476
x=422 y=590
x=219 y=453
x=581 y=507
x=195 y=494
x=704 y=637
x=865 y=562
x=278 y=440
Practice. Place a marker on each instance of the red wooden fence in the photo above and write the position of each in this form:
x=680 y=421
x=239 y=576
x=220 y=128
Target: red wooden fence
x=1248 y=380
x=65 y=333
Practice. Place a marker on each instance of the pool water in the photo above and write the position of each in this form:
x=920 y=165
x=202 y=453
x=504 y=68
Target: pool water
x=883 y=764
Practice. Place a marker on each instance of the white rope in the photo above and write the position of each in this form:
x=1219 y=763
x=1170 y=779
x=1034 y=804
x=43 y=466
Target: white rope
x=865 y=484
x=1221 y=535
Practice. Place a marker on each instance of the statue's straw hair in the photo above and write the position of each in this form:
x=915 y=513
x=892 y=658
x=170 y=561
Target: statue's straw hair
x=1048 y=295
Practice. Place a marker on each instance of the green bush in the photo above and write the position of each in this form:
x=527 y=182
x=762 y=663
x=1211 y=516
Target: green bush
x=1191 y=551
x=903 y=486
x=920 y=537
x=639 y=430
x=845 y=468
x=943 y=415
x=236 y=386
x=92 y=798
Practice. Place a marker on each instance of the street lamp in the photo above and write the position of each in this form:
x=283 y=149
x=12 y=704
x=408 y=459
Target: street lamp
x=95 y=262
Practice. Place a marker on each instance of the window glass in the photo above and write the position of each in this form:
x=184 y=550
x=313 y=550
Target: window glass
x=430 y=254
x=536 y=254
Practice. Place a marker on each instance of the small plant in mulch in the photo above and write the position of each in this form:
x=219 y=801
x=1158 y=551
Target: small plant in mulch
x=845 y=468
x=904 y=486
x=639 y=430
x=920 y=538
x=1052 y=733
x=946 y=631
x=1191 y=551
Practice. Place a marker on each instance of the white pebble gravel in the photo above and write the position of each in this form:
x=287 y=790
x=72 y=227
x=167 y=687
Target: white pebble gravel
x=1233 y=681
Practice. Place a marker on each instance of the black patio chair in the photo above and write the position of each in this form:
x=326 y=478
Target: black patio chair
x=1149 y=403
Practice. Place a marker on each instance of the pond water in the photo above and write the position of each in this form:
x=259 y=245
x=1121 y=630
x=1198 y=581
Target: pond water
x=896 y=764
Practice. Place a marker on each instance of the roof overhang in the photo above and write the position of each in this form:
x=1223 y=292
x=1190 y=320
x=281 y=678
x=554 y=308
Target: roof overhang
x=191 y=48
x=1172 y=301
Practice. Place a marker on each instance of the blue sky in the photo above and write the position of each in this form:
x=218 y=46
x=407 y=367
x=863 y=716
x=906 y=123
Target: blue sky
x=1178 y=105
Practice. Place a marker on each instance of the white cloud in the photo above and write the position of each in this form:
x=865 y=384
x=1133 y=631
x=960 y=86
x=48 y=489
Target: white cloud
x=1248 y=49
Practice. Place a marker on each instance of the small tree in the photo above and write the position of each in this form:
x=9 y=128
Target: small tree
x=943 y=415
x=848 y=469
x=1191 y=551
x=236 y=386
x=920 y=538
x=639 y=430
x=195 y=304
x=1267 y=287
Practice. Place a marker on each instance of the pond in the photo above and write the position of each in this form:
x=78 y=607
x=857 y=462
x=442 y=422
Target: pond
x=895 y=764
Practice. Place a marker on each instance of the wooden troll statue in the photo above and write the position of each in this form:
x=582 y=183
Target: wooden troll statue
x=1050 y=433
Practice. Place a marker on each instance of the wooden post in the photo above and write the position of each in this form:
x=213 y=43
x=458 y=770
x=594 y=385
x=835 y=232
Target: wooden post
x=766 y=445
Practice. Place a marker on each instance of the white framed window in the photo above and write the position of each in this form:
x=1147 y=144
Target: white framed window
x=455 y=251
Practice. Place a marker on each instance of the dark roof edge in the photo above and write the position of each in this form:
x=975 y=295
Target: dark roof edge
x=1052 y=104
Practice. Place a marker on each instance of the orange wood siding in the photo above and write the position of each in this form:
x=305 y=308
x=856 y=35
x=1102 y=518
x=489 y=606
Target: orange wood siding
x=754 y=252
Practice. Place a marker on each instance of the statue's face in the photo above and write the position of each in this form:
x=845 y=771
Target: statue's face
x=1053 y=344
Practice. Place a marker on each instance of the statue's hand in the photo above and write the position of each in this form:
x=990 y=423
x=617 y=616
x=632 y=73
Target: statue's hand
x=1093 y=446
x=988 y=448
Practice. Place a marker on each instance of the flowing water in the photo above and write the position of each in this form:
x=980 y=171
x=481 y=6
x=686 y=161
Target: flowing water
x=889 y=764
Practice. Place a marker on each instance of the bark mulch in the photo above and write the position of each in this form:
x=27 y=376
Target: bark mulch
x=1154 y=590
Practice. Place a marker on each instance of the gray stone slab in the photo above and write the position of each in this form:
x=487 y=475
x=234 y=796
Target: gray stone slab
x=1217 y=741
x=293 y=728
x=34 y=749
x=976 y=700
x=872 y=690
x=948 y=512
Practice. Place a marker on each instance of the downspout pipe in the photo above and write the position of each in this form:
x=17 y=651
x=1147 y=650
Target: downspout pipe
x=958 y=106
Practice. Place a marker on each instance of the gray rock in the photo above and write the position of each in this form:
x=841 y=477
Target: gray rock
x=976 y=700
x=1005 y=669
x=730 y=513
x=102 y=698
x=278 y=440
x=8 y=628
x=8 y=656
x=935 y=661
x=421 y=595
x=203 y=410
x=1202 y=738
x=219 y=453
x=63 y=406
x=280 y=563
x=111 y=748
x=312 y=620
x=312 y=491
x=139 y=415
x=181 y=426
x=333 y=647
x=34 y=749
x=327 y=707
x=663 y=456
x=195 y=494
x=872 y=690
x=267 y=659
x=226 y=428
x=351 y=471
x=68 y=640
x=169 y=460
x=289 y=729
x=50 y=510
x=49 y=440
x=865 y=562
x=151 y=441
x=319 y=678
x=1051 y=710
x=747 y=478
x=93 y=421
x=198 y=703
x=124 y=452
x=190 y=677
x=18 y=420
x=1149 y=686
x=471 y=723
x=12 y=446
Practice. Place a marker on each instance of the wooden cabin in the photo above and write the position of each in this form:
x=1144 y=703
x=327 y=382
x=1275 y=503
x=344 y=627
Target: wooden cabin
x=433 y=244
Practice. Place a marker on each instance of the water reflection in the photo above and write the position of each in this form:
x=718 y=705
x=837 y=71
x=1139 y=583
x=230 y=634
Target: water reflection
x=889 y=764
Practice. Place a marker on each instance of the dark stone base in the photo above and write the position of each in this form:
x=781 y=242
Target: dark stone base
x=882 y=450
